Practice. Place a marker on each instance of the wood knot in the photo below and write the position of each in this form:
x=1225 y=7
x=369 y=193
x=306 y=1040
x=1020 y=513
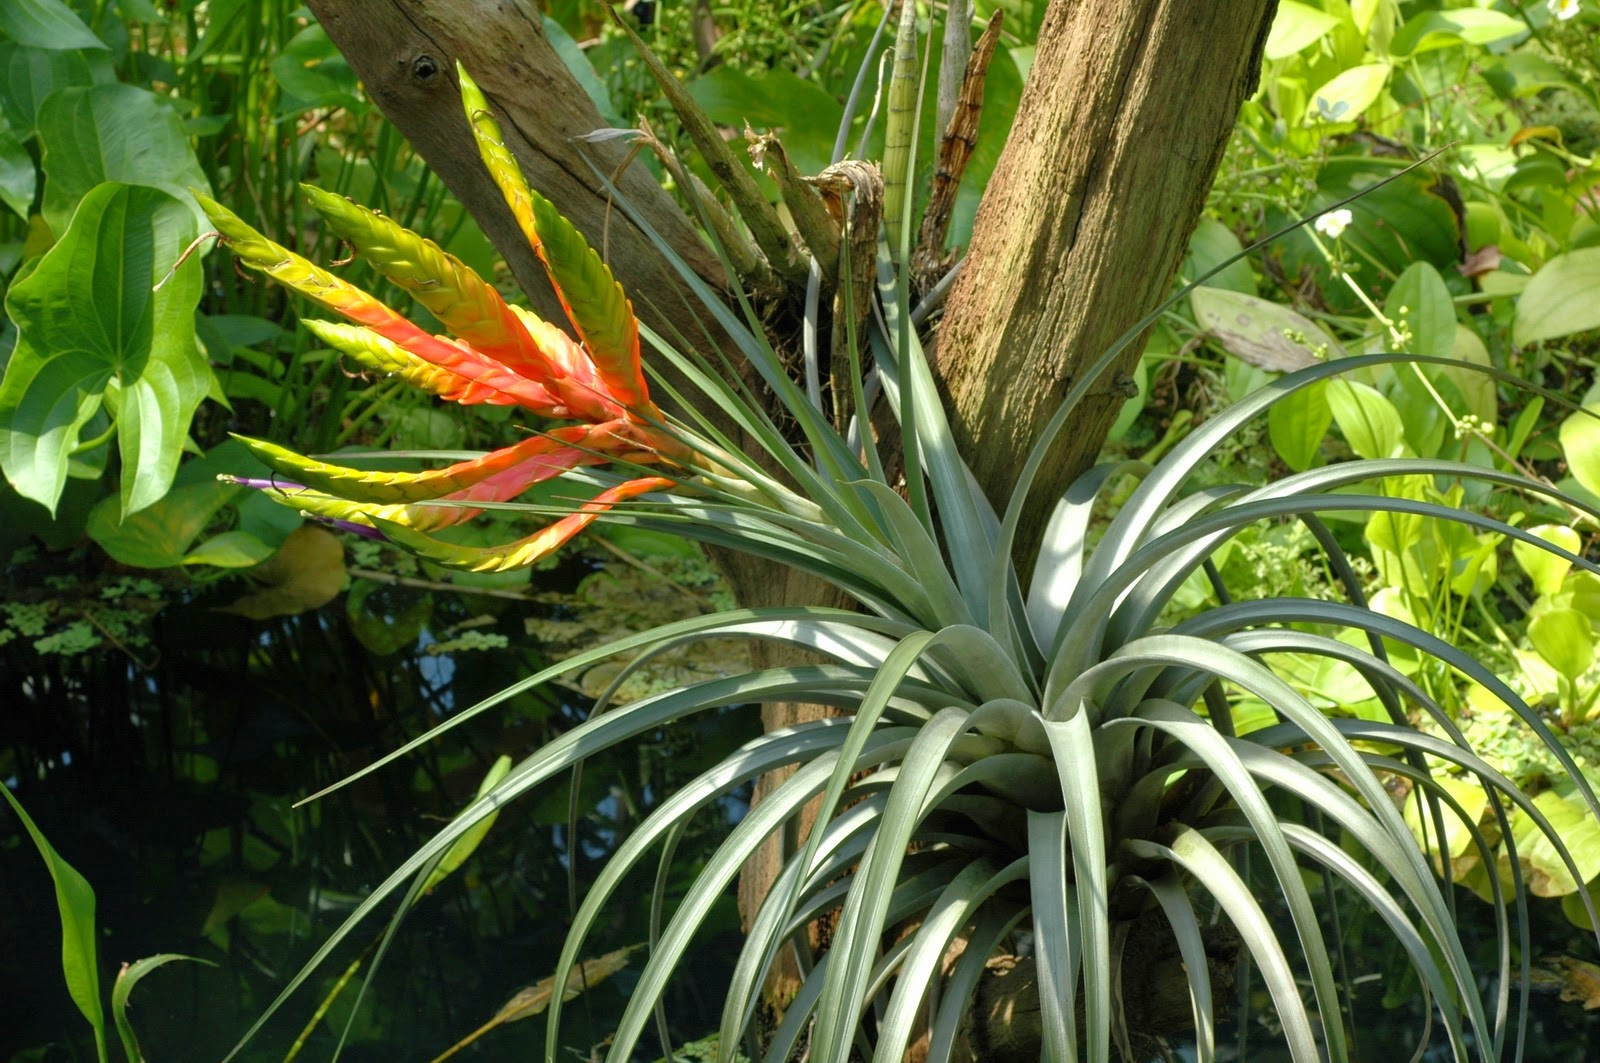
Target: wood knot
x=424 y=68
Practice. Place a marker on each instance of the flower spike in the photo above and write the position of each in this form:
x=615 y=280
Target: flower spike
x=590 y=295
x=524 y=551
x=470 y=308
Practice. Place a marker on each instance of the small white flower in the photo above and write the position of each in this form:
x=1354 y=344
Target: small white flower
x=1333 y=224
x=1563 y=9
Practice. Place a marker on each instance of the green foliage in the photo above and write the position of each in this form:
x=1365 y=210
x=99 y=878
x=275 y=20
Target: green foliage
x=1098 y=747
x=79 y=949
x=88 y=321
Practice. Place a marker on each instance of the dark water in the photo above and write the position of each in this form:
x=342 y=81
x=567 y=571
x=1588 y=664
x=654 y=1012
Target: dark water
x=170 y=788
x=169 y=785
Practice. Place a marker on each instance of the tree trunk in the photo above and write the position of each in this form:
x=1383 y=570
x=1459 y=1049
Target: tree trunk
x=1119 y=132
x=405 y=52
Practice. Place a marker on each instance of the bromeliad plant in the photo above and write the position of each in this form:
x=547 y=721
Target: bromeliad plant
x=499 y=354
x=1051 y=760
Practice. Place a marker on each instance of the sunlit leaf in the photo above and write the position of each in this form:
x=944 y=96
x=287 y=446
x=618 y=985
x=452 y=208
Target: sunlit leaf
x=1369 y=421
x=114 y=132
x=1547 y=570
x=1445 y=29
x=1562 y=299
x=1565 y=639
x=75 y=338
x=1295 y=27
x=1580 y=445
x=1347 y=96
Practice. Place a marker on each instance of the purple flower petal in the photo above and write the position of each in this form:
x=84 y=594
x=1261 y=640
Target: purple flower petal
x=364 y=530
x=262 y=485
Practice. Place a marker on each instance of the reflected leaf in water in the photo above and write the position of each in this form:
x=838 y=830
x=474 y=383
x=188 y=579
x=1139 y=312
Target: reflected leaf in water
x=387 y=619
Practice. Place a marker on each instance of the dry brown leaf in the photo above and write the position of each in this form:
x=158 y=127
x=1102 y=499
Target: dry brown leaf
x=1578 y=981
x=534 y=999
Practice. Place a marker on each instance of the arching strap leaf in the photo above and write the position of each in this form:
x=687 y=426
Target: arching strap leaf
x=524 y=551
x=592 y=298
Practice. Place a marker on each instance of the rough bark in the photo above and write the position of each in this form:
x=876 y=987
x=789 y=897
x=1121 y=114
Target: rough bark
x=405 y=52
x=1086 y=218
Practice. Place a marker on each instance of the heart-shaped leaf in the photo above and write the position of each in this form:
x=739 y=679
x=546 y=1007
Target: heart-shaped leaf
x=114 y=133
x=86 y=316
x=159 y=536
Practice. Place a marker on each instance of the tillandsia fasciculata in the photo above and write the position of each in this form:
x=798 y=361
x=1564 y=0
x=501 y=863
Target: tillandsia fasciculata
x=497 y=354
x=1071 y=757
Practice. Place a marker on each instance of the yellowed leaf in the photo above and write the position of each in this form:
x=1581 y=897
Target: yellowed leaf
x=306 y=573
x=1578 y=981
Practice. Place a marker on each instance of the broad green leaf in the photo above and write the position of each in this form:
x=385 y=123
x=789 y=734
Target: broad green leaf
x=159 y=536
x=114 y=133
x=44 y=403
x=1445 y=29
x=1544 y=568
x=45 y=24
x=1298 y=424
x=1296 y=26
x=468 y=843
x=1547 y=874
x=314 y=75
x=1474 y=799
x=1212 y=244
x=1477 y=389
x=130 y=976
x=1563 y=298
x=1580 y=445
x=1565 y=639
x=1362 y=12
x=87 y=316
x=1370 y=423
x=1351 y=92
x=75 y=902
x=1262 y=333
x=28 y=75
x=17 y=177
x=1420 y=305
x=306 y=573
x=774 y=99
x=231 y=549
